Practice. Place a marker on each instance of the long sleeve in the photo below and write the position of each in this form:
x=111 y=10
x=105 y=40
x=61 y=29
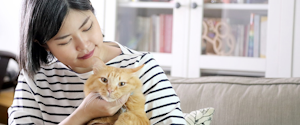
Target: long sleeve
x=162 y=104
x=25 y=109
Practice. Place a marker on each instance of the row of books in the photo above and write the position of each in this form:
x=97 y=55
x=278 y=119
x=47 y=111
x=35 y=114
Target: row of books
x=155 y=33
x=251 y=39
x=151 y=0
x=155 y=0
x=235 y=1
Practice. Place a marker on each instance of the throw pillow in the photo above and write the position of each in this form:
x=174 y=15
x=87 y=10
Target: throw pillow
x=199 y=117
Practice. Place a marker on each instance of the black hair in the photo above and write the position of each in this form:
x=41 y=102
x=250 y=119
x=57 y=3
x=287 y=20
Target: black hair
x=41 y=20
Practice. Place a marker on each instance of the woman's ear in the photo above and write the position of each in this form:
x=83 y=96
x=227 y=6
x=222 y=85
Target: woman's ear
x=45 y=45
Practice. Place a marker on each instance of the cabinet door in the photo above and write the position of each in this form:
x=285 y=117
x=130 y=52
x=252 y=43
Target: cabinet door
x=280 y=39
x=296 y=54
x=229 y=39
x=193 y=69
x=147 y=26
x=181 y=32
x=156 y=26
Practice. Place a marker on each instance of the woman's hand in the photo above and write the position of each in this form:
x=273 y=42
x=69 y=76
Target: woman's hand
x=93 y=107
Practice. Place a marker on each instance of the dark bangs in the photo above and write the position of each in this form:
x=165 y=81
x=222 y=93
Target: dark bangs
x=52 y=15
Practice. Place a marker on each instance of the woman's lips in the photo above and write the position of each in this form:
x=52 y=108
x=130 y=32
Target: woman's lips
x=86 y=56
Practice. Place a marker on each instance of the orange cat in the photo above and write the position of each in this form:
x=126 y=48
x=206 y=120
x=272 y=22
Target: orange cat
x=112 y=83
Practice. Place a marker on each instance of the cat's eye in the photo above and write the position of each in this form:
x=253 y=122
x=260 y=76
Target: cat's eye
x=122 y=83
x=104 y=80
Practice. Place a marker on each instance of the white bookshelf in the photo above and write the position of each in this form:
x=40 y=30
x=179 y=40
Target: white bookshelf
x=186 y=60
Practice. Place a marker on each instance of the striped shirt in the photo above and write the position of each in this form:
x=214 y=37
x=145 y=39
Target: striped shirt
x=56 y=91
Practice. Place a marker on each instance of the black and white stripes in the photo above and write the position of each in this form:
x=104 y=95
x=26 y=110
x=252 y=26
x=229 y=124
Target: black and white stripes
x=57 y=91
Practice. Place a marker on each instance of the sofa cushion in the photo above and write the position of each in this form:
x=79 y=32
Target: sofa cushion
x=242 y=101
x=199 y=117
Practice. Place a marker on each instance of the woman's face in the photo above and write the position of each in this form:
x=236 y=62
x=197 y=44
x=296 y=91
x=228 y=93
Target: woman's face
x=78 y=39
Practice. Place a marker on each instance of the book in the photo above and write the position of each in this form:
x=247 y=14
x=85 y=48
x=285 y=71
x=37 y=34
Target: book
x=241 y=39
x=168 y=33
x=162 y=33
x=150 y=34
x=246 y=40
x=256 y=1
x=263 y=34
x=153 y=33
x=235 y=32
x=251 y=36
x=256 y=35
x=157 y=33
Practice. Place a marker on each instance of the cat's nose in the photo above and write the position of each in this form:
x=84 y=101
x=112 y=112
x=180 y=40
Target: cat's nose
x=109 y=91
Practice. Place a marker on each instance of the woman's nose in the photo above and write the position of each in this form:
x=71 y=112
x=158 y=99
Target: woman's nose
x=81 y=43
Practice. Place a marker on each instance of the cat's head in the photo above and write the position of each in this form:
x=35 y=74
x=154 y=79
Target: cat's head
x=111 y=82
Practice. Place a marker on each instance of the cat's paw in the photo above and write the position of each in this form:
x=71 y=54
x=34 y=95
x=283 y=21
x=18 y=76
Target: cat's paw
x=97 y=122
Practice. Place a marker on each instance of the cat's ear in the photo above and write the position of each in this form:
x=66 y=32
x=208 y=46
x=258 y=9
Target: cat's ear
x=98 y=64
x=137 y=68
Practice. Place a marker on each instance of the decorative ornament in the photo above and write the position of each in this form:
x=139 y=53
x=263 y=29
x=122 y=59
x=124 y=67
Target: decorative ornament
x=218 y=35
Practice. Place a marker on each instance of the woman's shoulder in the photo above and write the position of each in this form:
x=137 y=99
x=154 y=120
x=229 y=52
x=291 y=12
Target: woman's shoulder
x=125 y=50
x=129 y=57
x=54 y=68
x=53 y=65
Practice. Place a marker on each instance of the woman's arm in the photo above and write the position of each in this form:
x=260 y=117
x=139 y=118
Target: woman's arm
x=162 y=104
x=25 y=109
x=92 y=108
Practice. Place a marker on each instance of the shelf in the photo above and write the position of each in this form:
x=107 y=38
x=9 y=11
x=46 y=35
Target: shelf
x=210 y=72
x=247 y=64
x=168 y=5
x=163 y=59
x=153 y=5
x=237 y=6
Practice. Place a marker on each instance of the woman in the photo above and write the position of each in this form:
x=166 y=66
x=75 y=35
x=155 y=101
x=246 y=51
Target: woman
x=58 y=39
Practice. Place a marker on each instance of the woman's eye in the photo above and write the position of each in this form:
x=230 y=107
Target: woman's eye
x=88 y=28
x=104 y=80
x=61 y=44
x=122 y=83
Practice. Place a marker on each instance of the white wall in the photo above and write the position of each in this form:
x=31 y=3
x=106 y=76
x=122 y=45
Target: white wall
x=99 y=11
x=10 y=14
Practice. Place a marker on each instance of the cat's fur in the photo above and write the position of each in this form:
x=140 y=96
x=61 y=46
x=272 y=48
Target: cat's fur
x=135 y=114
